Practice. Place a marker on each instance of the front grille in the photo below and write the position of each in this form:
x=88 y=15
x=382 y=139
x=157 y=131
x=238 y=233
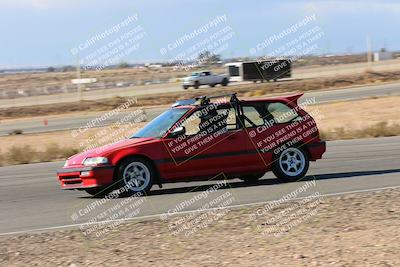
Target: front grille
x=75 y=181
x=69 y=177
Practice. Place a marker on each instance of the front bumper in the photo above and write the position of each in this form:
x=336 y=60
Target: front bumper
x=190 y=82
x=85 y=177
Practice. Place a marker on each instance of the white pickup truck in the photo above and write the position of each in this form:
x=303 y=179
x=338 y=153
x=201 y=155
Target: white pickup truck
x=205 y=78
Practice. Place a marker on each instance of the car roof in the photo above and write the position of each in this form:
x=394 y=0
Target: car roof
x=197 y=102
x=285 y=98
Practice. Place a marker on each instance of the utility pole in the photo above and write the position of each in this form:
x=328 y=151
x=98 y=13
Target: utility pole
x=369 y=52
x=78 y=76
x=80 y=83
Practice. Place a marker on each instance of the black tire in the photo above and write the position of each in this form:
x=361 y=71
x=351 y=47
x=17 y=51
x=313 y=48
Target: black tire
x=196 y=85
x=212 y=85
x=97 y=191
x=185 y=87
x=142 y=181
x=251 y=178
x=292 y=158
x=224 y=82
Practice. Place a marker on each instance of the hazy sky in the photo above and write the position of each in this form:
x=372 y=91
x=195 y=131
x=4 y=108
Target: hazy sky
x=43 y=32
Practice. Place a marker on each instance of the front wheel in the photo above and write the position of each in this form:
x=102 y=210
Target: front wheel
x=135 y=175
x=291 y=164
x=196 y=85
x=97 y=191
x=225 y=82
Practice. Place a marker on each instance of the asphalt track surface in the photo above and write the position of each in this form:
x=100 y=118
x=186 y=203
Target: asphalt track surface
x=74 y=122
x=31 y=199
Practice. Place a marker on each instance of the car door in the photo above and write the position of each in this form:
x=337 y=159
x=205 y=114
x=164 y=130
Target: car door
x=203 y=78
x=268 y=128
x=209 y=78
x=212 y=145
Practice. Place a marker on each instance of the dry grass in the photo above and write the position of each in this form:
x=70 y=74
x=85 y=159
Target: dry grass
x=26 y=154
x=357 y=114
x=375 y=117
x=380 y=129
x=43 y=147
x=31 y=82
x=246 y=90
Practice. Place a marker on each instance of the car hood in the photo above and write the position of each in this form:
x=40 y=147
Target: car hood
x=105 y=150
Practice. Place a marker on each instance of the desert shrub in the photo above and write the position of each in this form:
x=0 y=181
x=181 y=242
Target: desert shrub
x=52 y=152
x=21 y=155
x=15 y=132
x=381 y=129
x=55 y=152
x=324 y=135
x=67 y=152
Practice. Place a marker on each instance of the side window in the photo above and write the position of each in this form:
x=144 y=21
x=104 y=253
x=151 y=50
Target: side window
x=253 y=115
x=192 y=123
x=281 y=113
x=214 y=120
x=231 y=123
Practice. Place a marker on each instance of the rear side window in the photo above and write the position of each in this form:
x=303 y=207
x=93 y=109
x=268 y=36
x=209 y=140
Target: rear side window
x=281 y=112
x=253 y=115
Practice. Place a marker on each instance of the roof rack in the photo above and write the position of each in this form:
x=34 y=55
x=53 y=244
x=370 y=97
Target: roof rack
x=205 y=100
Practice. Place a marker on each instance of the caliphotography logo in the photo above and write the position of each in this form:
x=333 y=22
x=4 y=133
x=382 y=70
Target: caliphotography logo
x=199 y=133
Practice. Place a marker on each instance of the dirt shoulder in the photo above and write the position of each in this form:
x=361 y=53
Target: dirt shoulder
x=349 y=230
x=246 y=90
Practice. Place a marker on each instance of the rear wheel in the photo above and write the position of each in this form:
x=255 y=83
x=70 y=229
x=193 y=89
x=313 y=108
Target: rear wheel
x=291 y=164
x=212 y=85
x=135 y=175
x=224 y=82
x=185 y=87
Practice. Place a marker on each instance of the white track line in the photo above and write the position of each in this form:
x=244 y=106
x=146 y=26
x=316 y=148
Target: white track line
x=190 y=211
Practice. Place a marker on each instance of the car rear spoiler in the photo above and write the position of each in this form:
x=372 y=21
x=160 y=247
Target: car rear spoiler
x=293 y=98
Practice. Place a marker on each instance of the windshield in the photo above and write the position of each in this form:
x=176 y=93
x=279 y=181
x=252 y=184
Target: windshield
x=161 y=124
x=195 y=74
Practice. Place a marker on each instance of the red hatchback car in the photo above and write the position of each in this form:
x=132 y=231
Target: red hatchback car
x=203 y=138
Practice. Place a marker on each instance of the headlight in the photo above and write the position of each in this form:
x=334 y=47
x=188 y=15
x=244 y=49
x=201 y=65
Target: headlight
x=95 y=161
x=66 y=163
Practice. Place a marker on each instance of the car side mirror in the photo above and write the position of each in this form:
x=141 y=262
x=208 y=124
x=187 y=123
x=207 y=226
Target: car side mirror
x=178 y=131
